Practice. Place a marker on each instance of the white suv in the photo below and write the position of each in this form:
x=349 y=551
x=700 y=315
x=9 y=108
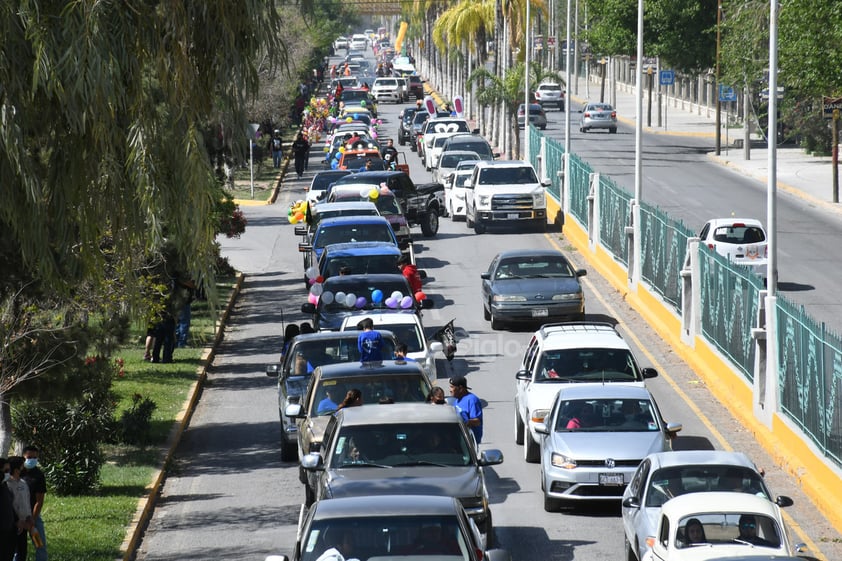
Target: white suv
x=388 y=89
x=564 y=353
x=505 y=193
x=550 y=94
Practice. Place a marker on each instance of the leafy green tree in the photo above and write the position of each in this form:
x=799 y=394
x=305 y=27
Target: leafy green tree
x=682 y=34
x=810 y=40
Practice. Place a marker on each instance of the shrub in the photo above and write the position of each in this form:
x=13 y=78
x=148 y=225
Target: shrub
x=134 y=426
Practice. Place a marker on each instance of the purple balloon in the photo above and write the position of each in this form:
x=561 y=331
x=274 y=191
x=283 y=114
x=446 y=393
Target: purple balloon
x=360 y=303
x=391 y=302
x=406 y=302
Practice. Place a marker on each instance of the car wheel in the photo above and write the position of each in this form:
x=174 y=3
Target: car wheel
x=486 y=315
x=401 y=140
x=468 y=222
x=581 y=129
x=631 y=554
x=613 y=130
x=551 y=504
x=289 y=451
x=479 y=228
x=488 y=528
x=531 y=450
x=309 y=496
x=540 y=226
x=561 y=106
x=430 y=224
x=412 y=148
x=544 y=127
x=496 y=324
x=519 y=428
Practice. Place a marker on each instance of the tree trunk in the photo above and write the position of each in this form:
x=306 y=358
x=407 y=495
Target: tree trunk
x=5 y=425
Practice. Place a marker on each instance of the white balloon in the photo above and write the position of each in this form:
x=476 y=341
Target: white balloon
x=350 y=300
x=311 y=272
x=397 y=295
x=339 y=297
x=317 y=289
x=327 y=297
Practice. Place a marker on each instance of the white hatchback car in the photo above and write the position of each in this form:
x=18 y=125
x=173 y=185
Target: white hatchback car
x=454 y=189
x=741 y=240
x=408 y=330
x=711 y=525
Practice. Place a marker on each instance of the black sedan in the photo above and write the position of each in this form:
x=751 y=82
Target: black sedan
x=532 y=286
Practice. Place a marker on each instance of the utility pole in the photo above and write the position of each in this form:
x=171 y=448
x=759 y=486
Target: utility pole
x=716 y=76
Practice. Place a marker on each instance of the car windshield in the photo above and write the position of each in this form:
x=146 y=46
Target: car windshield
x=359 y=264
x=406 y=444
x=407 y=333
x=390 y=82
x=360 y=288
x=387 y=205
x=480 y=147
x=507 y=175
x=356 y=161
x=448 y=126
x=323 y=179
x=739 y=234
x=461 y=178
x=387 y=537
x=599 y=107
x=550 y=87
x=587 y=365
x=727 y=528
x=450 y=160
x=333 y=213
x=376 y=232
x=670 y=482
x=606 y=415
x=534 y=267
x=420 y=117
x=351 y=96
x=398 y=388
x=305 y=356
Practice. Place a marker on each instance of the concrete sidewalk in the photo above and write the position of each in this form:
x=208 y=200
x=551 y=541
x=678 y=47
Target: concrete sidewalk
x=798 y=173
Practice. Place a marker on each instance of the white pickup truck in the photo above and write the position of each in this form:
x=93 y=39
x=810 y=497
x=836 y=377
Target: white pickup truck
x=505 y=192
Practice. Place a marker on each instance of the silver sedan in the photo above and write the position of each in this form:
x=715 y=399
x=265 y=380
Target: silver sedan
x=594 y=438
x=598 y=116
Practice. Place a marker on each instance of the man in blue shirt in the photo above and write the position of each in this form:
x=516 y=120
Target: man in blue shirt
x=468 y=405
x=370 y=342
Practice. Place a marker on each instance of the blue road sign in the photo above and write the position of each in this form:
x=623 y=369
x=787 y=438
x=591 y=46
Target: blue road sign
x=667 y=77
x=727 y=93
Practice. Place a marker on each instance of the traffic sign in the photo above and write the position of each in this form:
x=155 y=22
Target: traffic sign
x=831 y=107
x=667 y=77
x=764 y=94
x=727 y=93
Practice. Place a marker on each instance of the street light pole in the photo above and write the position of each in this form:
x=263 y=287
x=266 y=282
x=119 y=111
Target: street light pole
x=528 y=48
x=716 y=76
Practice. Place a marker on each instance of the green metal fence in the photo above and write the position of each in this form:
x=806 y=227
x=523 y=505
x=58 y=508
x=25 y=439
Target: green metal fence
x=614 y=216
x=579 y=181
x=663 y=245
x=555 y=165
x=729 y=304
x=810 y=377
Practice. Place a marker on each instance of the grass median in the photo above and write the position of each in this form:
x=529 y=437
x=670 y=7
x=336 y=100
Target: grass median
x=92 y=527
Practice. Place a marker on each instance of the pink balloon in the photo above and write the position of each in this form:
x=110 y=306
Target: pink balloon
x=312 y=298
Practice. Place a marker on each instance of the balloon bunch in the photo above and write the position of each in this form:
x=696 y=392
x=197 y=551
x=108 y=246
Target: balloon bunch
x=371 y=193
x=350 y=300
x=297 y=211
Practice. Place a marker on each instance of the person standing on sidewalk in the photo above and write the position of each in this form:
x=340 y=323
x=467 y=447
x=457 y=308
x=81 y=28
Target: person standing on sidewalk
x=37 y=483
x=300 y=149
x=276 y=145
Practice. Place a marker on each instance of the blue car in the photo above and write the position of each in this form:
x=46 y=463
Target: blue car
x=360 y=258
x=345 y=229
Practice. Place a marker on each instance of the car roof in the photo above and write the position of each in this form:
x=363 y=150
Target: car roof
x=371 y=279
x=529 y=253
x=350 y=369
x=385 y=505
x=716 y=501
x=578 y=335
x=388 y=317
x=717 y=222
x=699 y=457
x=344 y=220
x=603 y=391
x=362 y=248
x=368 y=175
x=503 y=164
x=343 y=205
x=404 y=413
x=460 y=153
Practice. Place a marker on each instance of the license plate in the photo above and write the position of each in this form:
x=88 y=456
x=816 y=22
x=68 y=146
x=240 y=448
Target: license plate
x=539 y=312
x=513 y=216
x=610 y=478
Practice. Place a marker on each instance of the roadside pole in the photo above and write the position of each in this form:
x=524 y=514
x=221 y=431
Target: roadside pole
x=831 y=107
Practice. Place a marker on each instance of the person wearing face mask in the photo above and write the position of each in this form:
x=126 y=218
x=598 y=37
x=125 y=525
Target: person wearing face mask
x=20 y=502
x=37 y=483
x=8 y=521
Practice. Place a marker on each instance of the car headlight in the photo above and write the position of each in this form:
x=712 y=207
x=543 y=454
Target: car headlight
x=567 y=297
x=508 y=298
x=483 y=200
x=538 y=415
x=539 y=200
x=562 y=461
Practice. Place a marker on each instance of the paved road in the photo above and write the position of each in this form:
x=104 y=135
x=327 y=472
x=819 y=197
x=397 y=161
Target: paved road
x=229 y=494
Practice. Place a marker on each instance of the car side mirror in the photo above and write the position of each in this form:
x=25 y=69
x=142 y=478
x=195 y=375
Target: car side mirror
x=546 y=183
x=273 y=370
x=674 y=428
x=475 y=131
x=304 y=247
x=427 y=304
x=541 y=428
x=294 y=410
x=300 y=230
x=308 y=308
x=491 y=457
x=631 y=502
x=436 y=347
x=422 y=273
x=581 y=272
x=469 y=184
x=783 y=501
x=313 y=462
x=495 y=155
x=523 y=375
x=650 y=373
x=485 y=276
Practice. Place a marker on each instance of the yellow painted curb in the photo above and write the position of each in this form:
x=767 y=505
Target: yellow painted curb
x=819 y=481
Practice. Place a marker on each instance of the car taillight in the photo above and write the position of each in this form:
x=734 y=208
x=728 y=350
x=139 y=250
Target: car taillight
x=613 y=114
x=766 y=252
x=711 y=246
x=587 y=115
